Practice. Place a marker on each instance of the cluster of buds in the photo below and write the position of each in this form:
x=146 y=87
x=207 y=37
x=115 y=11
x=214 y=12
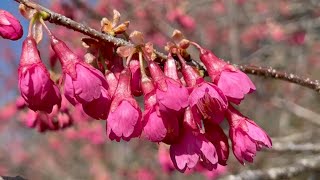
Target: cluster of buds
x=181 y=108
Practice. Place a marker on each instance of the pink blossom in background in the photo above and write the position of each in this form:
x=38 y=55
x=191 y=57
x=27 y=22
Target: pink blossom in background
x=297 y=38
x=164 y=159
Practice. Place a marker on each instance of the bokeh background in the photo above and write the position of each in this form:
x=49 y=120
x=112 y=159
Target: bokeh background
x=284 y=34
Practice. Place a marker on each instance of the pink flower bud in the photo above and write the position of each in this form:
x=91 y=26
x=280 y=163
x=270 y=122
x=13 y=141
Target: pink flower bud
x=117 y=66
x=170 y=93
x=217 y=137
x=159 y=124
x=82 y=83
x=36 y=87
x=246 y=136
x=112 y=82
x=170 y=68
x=136 y=77
x=124 y=120
x=232 y=82
x=192 y=147
x=10 y=27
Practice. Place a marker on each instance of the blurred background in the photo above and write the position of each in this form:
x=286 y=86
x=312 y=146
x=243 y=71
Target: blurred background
x=284 y=34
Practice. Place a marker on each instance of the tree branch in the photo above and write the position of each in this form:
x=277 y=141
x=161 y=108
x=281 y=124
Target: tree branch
x=295 y=148
x=259 y=71
x=301 y=166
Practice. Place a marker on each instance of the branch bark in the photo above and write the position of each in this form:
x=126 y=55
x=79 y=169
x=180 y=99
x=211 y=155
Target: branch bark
x=61 y=20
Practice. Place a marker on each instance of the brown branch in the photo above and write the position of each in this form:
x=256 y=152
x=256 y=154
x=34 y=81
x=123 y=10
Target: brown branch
x=71 y=24
x=273 y=73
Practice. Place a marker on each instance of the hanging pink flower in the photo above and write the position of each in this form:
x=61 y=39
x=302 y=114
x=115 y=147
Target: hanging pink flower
x=246 y=136
x=206 y=100
x=193 y=147
x=170 y=93
x=158 y=125
x=233 y=83
x=82 y=83
x=216 y=136
x=10 y=27
x=37 y=89
x=170 y=98
x=124 y=120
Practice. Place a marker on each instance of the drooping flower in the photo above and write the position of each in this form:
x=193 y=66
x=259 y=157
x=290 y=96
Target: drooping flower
x=158 y=125
x=124 y=120
x=193 y=147
x=36 y=87
x=205 y=99
x=10 y=27
x=246 y=136
x=232 y=82
x=216 y=136
x=82 y=83
x=170 y=94
x=165 y=103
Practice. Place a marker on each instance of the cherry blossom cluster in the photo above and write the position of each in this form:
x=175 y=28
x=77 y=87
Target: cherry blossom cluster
x=181 y=108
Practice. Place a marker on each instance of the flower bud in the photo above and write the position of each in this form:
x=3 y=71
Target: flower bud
x=36 y=87
x=10 y=27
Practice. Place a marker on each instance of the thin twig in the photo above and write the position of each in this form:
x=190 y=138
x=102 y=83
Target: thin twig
x=273 y=73
x=260 y=71
x=295 y=148
x=301 y=166
x=297 y=110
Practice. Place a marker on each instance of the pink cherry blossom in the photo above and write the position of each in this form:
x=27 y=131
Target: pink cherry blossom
x=160 y=122
x=124 y=120
x=192 y=147
x=232 y=82
x=10 y=27
x=82 y=83
x=205 y=99
x=216 y=136
x=166 y=90
x=36 y=87
x=246 y=136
